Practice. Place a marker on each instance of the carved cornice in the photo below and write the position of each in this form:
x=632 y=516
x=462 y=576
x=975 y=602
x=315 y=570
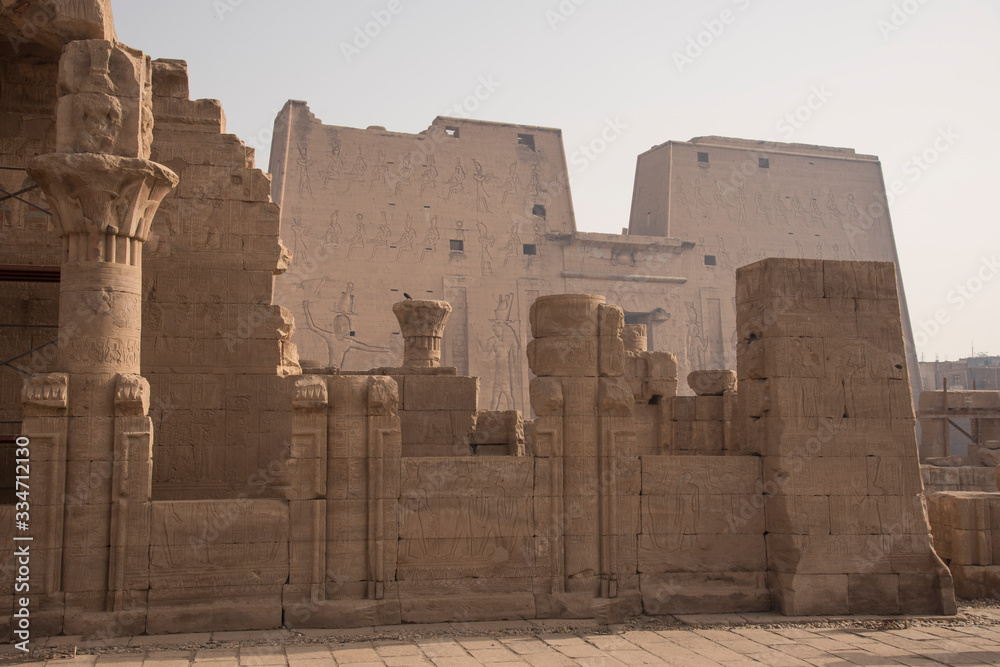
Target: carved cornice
x=46 y=390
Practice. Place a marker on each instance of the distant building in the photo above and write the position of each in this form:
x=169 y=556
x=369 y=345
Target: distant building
x=968 y=373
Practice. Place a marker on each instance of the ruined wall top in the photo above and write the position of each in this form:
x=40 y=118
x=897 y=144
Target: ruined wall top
x=49 y=25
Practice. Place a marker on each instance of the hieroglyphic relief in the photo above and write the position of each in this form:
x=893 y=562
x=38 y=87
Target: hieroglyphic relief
x=358 y=172
x=340 y=339
x=486 y=241
x=513 y=247
x=334 y=166
x=482 y=180
x=502 y=354
x=358 y=240
x=455 y=183
x=428 y=177
x=331 y=239
x=305 y=170
x=379 y=172
x=405 y=241
x=511 y=184
x=381 y=238
x=430 y=239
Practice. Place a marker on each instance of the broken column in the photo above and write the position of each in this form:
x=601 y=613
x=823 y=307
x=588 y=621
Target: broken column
x=825 y=399
x=104 y=192
x=422 y=325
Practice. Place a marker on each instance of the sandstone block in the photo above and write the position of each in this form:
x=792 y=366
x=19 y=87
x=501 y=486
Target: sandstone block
x=809 y=594
x=565 y=315
x=711 y=383
x=873 y=593
x=565 y=356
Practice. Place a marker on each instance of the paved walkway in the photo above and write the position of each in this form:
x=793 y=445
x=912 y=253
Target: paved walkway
x=972 y=638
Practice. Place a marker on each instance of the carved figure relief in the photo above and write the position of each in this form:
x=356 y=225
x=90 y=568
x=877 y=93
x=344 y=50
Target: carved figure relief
x=696 y=344
x=455 y=183
x=339 y=339
x=334 y=166
x=430 y=238
x=510 y=185
x=797 y=208
x=687 y=503
x=762 y=208
x=381 y=238
x=486 y=241
x=379 y=172
x=358 y=240
x=428 y=178
x=502 y=353
x=831 y=206
x=305 y=168
x=405 y=241
x=534 y=192
x=816 y=213
x=331 y=239
x=345 y=304
x=358 y=171
x=481 y=179
x=513 y=246
x=780 y=209
x=721 y=201
x=402 y=176
x=504 y=303
x=741 y=207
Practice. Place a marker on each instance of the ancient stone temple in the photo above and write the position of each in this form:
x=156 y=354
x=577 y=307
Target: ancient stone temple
x=186 y=474
x=480 y=214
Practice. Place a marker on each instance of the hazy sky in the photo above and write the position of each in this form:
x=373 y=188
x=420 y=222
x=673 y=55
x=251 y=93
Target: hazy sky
x=916 y=82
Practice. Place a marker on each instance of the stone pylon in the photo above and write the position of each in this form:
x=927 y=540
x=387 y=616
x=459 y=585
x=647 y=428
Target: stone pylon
x=104 y=192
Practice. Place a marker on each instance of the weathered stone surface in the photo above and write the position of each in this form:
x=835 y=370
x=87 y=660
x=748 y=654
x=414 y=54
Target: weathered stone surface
x=712 y=383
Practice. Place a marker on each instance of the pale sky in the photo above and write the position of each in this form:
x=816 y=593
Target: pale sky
x=899 y=79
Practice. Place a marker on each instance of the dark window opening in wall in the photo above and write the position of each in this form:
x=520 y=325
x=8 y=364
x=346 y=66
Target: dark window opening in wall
x=457 y=245
x=451 y=131
x=703 y=157
x=530 y=249
x=538 y=210
x=764 y=163
x=526 y=140
x=709 y=260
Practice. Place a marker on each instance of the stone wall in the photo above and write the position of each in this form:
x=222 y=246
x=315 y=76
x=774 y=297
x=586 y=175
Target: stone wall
x=825 y=400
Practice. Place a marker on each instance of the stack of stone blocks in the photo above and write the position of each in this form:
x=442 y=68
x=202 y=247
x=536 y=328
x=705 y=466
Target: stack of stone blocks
x=966 y=527
x=825 y=402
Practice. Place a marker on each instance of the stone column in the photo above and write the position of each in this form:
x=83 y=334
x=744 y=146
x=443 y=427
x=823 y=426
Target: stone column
x=586 y=456
x=104 y=192
x=422 y=324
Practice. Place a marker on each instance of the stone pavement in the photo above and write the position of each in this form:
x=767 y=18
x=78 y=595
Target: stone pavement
x=971 y=638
